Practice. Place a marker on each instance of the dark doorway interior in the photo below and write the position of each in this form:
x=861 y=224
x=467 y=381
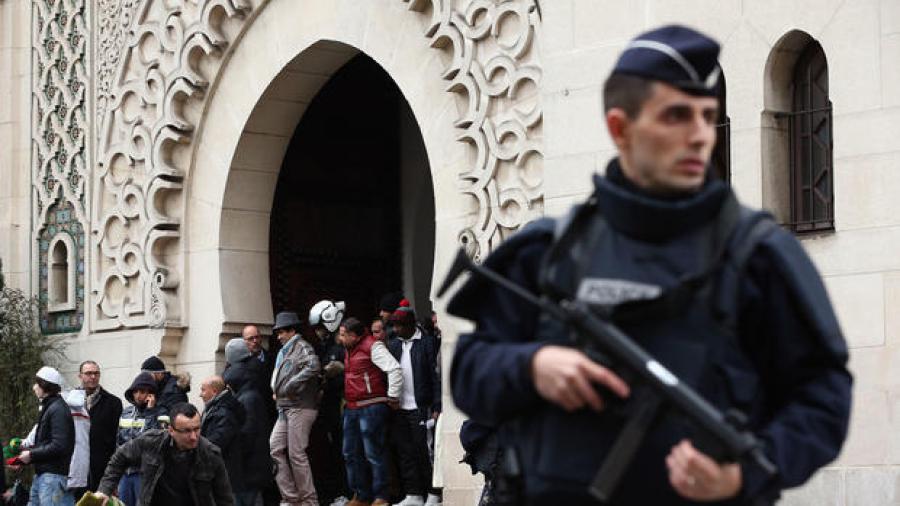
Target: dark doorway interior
x=337 y=217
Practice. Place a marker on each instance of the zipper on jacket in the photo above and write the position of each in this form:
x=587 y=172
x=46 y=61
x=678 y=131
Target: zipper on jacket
x=368 y=385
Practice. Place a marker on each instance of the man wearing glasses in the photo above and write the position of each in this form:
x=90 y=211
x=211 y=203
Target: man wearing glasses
x=178 y=466
x=263 y=360
x=104 y=410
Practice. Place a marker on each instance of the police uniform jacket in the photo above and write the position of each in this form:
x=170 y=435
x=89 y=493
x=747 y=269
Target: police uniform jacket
x=786 y=368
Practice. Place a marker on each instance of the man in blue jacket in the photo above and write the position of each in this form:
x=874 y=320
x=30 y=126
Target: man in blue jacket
x=658 y=249
x=420 y=399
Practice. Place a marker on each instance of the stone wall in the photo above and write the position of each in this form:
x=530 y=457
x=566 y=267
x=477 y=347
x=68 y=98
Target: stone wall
x=861 y=40
x=15 y=153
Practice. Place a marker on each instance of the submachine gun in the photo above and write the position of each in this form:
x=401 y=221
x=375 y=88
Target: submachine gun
x=720 y=435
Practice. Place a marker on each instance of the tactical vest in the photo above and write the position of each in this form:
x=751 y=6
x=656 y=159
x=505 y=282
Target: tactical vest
x=678 y=300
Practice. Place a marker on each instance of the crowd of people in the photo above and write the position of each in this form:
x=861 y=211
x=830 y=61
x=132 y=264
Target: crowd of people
x=344 y=416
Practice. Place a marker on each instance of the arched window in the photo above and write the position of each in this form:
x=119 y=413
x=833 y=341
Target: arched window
x=797 y=136
x=61 y=274
x=812 y=195
x=721 y=156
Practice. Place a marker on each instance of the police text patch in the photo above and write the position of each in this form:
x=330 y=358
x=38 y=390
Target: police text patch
x=610 y=292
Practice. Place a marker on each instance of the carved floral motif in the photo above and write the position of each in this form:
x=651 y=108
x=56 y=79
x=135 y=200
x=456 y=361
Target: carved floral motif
x=494 y=68
x=170 y=52
x=114 y=17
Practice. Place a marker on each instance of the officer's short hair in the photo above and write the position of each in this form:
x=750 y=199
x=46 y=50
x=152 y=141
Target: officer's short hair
x=626 y=92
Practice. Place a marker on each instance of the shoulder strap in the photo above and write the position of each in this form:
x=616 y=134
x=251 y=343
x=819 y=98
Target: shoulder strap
x=553 y=280
x=753 y=228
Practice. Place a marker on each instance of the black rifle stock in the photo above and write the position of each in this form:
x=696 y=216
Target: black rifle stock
x=664 y=390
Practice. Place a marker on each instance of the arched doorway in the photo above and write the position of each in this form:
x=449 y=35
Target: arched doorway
x=254 y=107
x=353 y=212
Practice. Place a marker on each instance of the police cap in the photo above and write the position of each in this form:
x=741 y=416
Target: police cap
x=675 y=55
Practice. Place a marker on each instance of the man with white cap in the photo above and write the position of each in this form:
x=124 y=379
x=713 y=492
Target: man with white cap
x=54 y=443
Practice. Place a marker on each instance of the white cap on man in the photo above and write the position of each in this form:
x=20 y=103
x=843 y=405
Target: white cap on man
x=50 y=375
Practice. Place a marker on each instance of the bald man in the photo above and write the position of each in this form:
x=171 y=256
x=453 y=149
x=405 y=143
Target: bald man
x=263 y=360
x=221 y=423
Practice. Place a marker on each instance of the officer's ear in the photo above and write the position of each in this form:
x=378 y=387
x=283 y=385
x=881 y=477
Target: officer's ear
x=618 y=124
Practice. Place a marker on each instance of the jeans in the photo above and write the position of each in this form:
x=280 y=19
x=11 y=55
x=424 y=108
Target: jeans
x=364 y=451
x=130 y=488
x=49 y=489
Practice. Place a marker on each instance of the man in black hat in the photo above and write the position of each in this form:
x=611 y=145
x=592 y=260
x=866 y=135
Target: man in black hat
x=664 y=251
x=296 y=386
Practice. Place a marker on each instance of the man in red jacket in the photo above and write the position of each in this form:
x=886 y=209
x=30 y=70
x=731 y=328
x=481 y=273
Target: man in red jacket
x=372 y=383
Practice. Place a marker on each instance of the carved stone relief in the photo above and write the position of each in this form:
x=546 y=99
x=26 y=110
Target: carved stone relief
x=495 y=70
x=59 y=142
x=170 y=51
x=114 y=18
x=156 y=59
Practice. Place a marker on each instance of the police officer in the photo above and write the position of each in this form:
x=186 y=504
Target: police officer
x=736 y=310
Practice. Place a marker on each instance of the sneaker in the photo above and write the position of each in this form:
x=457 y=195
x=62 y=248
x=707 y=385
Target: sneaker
x=433 y=500
x=343 y=501
x=412 y=500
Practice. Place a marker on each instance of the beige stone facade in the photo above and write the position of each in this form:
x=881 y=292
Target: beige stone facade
x=155 y=132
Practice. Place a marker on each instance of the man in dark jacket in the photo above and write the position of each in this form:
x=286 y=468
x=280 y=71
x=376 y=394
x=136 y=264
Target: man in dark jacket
x=141 y=415
x=662 y=249
x=241 y=377
x=326 y=437
x=178 y=466
x=221 y=423
x=105 y=409
x=171 y=388
x=54 y=443
x=263 y=365
x=420 y=399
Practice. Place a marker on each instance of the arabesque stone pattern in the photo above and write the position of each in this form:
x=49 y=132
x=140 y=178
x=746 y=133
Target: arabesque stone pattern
x=60 y=130
x=169 y=55
x=495 y=68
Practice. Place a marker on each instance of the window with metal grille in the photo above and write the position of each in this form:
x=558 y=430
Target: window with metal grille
x=810 y=133
x=721 y=155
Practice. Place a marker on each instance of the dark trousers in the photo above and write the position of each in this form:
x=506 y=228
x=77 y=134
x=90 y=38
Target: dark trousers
x=326 y=452
x=411 y=441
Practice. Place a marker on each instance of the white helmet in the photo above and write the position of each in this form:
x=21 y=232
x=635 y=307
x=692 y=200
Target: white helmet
x=330 y=314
